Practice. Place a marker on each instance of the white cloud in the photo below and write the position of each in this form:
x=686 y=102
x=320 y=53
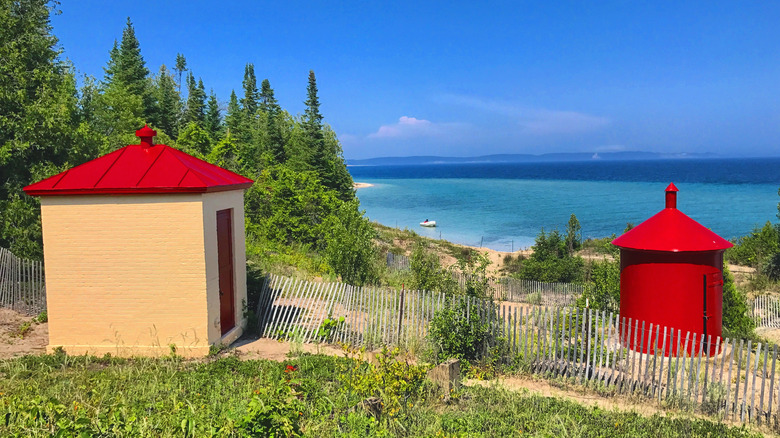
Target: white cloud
x=407 y=127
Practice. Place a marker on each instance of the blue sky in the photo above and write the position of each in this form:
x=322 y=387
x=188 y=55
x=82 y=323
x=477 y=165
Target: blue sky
x=473 y=78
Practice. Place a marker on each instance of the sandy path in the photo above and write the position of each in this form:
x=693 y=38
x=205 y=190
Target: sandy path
x=13 y=343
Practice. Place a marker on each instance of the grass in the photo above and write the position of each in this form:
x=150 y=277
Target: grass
x=310 y=395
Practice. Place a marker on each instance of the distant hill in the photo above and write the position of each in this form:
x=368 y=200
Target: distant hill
x=526 y=158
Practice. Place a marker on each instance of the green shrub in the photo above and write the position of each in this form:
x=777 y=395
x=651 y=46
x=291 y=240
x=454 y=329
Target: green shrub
x=603 y=291
x=736 y=314
x=427 y=272
x=274 y=410
x=755 y=248
x=551 y=261
x=456 y=335
x=349 y=245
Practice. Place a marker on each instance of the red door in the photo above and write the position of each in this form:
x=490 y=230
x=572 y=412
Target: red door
x=227 y=309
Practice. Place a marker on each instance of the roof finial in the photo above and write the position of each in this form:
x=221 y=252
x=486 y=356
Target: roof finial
x=146 y=134
x=671 y=196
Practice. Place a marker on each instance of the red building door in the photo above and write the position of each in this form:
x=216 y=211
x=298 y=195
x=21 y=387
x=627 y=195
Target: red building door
x=227 y=308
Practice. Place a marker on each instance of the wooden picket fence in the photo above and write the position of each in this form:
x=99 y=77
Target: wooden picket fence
x=588 y=347
x=22 y=284
x=537 y=292
x=766 y=311
x=337 y=312
x=397 y=262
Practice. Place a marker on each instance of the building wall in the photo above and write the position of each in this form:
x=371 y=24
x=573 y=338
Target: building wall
x=213 y=202
x=126 y=274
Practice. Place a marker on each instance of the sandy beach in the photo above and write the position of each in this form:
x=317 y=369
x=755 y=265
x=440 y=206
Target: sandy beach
x=360 y=185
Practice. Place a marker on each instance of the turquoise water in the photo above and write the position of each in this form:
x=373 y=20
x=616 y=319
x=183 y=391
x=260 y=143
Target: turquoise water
x=506 y=214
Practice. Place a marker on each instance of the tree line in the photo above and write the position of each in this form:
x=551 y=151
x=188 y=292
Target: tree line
x=303 y=194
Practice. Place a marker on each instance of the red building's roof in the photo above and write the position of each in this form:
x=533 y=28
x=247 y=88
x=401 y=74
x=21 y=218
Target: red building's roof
x=671 y=230
x=141 y=168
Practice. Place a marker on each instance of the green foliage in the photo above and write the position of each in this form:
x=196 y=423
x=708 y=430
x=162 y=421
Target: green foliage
x=602 y=246
x=329 y=327
x=251 y=95
x=473 y=268
x=213 y=118
x=287 y=206
x=603 y=293
x=459 y=332
x=573 y=235
x=736 y=314
x=169 y=102
x=391 y=383
x=274 y=410
x=194 y=140
x=755 y=248
x=427 y=272
x=349 y=246
x=130 y=72
x=195 y=110
x=225 y=154
x=772 y=267
x=551 y=261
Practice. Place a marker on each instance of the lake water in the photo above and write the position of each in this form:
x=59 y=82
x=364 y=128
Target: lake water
x=504 y=206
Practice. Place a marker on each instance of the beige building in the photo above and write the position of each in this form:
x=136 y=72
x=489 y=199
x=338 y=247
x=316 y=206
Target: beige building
x=144 y=252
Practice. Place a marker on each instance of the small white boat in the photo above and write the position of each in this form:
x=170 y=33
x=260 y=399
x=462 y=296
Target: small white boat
x=428 y=223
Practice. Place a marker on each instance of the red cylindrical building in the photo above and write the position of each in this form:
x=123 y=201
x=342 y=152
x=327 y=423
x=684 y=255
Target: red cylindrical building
x=671 y=275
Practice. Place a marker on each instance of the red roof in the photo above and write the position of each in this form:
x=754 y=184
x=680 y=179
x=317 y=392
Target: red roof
x=671 y=230
x=141 y=168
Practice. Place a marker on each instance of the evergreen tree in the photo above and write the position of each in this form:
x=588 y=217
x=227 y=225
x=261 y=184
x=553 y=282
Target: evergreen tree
x=213 y=117
x=251 y=95
x=169 y=102
x=110 y=68
x=270 y=106
x=312 y=125
x=573 y=234
x=181 y=67
x=233 y=116
x=131 y=72
x=312 y=121
x=196 y=101
x=268 y=102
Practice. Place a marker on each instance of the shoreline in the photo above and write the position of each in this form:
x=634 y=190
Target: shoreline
x=360 y=185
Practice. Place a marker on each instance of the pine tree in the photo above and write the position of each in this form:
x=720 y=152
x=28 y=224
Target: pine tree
x=169 y=101
x=213 y=117
x=110 y=68
x=196 y=101
x=233 y=116
x=131 y=72
x=271 y=108
x=268 y=102
x=181 y=67
x=312 y=124
x=251 y=95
